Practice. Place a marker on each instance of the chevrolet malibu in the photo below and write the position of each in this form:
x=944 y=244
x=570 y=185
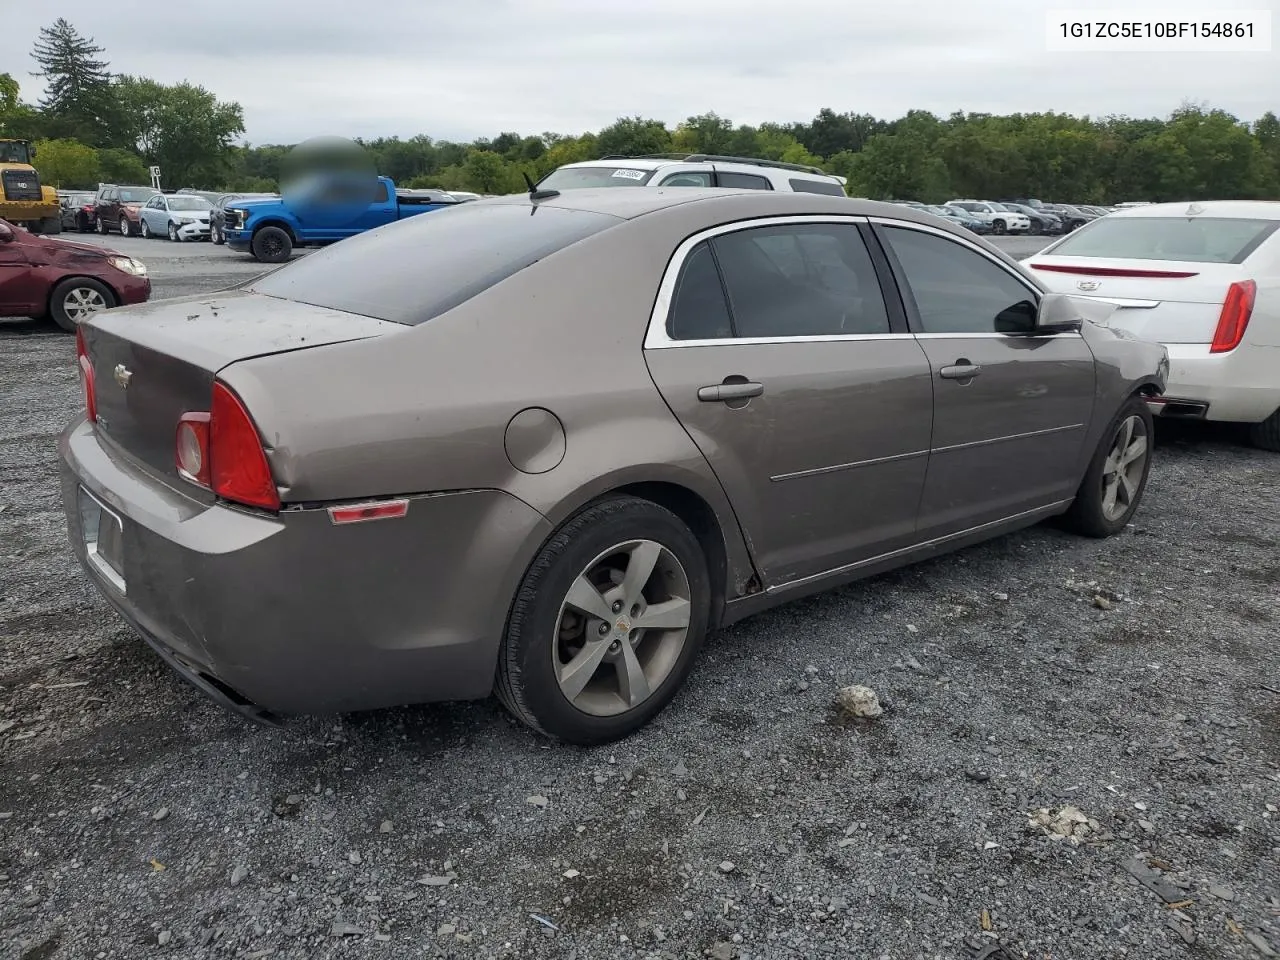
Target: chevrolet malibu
x=540 y=445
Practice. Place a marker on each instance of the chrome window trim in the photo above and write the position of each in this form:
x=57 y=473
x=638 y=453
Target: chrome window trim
x=975 y=248
x=656 y=336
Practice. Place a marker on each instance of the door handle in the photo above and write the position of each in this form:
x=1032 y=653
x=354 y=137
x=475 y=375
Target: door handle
x=960 y=370
x=732 y=390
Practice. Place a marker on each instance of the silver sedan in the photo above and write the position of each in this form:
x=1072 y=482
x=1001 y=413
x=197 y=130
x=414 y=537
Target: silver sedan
x=176 y=216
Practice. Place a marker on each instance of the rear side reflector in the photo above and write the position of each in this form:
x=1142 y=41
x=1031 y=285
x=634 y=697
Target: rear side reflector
x=358 y=512
x=1236 y=311
x=86 y=378
x=1114 y=271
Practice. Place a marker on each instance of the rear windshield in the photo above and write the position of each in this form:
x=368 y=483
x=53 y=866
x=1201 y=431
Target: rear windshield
x=417 y=269
x=1194 y=239
x=571 y=178
x=828 y=187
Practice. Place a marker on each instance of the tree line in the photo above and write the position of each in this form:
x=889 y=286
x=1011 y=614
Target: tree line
x=94 y=125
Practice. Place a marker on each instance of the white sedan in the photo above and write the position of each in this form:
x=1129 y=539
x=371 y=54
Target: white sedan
x=178 y=216
x=1204 y=280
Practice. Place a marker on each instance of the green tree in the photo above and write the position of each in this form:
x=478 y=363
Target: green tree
x=184 y=129
x=78 y=101
x=17 y=120
x=487 y=172
x=705 y=133
x=67 y=164
x=633 y=137
x=121 y=166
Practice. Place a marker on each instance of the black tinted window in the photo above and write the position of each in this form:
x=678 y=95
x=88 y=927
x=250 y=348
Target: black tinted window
x=744 y=181
x=957 y=290
x=801 y=280
x=687 y=178
x=828 y=187
x=698 y=308
x=419 y=268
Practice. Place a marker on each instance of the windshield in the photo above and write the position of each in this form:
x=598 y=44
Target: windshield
x=571 y=178
x=14 y=153
x=1194 y=239
x=971 y=207
x=189 y=203
x=411 y=271
x=136 y=194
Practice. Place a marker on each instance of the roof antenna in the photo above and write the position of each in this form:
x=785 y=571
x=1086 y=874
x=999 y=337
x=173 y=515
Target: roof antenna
x=534 y=192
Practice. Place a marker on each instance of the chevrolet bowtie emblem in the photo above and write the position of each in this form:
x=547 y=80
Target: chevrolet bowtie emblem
x=123 y=375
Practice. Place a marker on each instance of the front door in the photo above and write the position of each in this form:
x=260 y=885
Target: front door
x=806 y=393
x=1011 y=409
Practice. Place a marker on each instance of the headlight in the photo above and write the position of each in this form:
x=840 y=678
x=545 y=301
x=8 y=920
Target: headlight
x=185 y=220
x=238 y=213
x=129 y=265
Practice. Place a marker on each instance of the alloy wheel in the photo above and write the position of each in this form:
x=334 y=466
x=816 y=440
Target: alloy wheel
x=1122 y=471
x=622 y=628
x=82 y=301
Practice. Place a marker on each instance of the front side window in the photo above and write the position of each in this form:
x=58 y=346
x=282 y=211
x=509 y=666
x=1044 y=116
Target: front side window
x=958 y=290
x=799 y=280
x=687 y=178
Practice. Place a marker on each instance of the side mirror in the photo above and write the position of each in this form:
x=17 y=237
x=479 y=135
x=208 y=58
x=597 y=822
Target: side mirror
x=6 y=232
x=33 y=151
x=1061 y=313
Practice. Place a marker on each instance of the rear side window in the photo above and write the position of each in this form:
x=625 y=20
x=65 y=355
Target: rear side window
x=571 y=178
x=698 y=307
x=422 y=267
x=687 y=178
x=801 y=280
x=1194 y=239
x=743 y=181
x=828 y=187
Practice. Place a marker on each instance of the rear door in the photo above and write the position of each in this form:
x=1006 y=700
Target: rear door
x=774 y=344
x=1010 y=409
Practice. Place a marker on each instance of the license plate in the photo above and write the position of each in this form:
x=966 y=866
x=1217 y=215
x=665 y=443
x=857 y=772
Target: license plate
x=103 y=535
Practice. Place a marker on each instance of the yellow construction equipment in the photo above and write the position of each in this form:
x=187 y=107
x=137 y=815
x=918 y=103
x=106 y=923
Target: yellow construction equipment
x=23 y=200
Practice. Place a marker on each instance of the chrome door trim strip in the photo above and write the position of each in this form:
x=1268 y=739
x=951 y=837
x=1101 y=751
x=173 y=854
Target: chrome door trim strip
x=816 y=471
x=1012 y=436
x=937 y=541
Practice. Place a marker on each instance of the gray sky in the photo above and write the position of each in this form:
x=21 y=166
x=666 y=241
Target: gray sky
x=474 y=68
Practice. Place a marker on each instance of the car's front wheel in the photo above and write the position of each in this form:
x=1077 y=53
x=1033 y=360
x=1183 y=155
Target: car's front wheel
x=1117 y=476
x=72 y=301
x=146 y=230
x=126 y=227
x=606 y=624
x=999 y=227
x=102 y=226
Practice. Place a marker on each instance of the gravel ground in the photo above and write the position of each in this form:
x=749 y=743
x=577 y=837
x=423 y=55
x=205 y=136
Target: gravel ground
x=1134 y=680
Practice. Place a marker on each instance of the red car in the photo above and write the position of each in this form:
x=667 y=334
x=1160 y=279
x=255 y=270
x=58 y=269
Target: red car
x=66 y=280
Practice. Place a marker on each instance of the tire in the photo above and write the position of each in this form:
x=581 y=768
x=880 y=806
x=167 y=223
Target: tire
x=82 y=224
x=543 y=628
x=51 y=226
x=102 y=226
x=125 y=229
x=83 y=289
x=1036 y=228
x=146 y=230
x=999 y=227
x=173 y=231
x=1266 y=435
x=215 y=237
x=272 y=245
x=1089 y=515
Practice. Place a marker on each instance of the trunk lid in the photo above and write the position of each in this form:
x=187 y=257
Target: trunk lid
x=154 y=362
x=1167 y=301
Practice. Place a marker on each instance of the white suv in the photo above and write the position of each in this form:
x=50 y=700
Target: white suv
x=695 y=170
x=1002 y=220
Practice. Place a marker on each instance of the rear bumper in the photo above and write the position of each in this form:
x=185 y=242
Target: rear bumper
x=291 y=614
x=1238 y=387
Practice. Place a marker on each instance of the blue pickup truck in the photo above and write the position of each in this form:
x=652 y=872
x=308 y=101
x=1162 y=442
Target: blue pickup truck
x=321 y=213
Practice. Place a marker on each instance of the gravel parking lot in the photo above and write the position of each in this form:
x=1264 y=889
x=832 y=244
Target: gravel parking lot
x=1128 y=688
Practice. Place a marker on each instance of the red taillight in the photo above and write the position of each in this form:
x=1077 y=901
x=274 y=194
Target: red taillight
x=222 y=450
x=1115 y=271
x=86 y=377
x=1236 y=311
